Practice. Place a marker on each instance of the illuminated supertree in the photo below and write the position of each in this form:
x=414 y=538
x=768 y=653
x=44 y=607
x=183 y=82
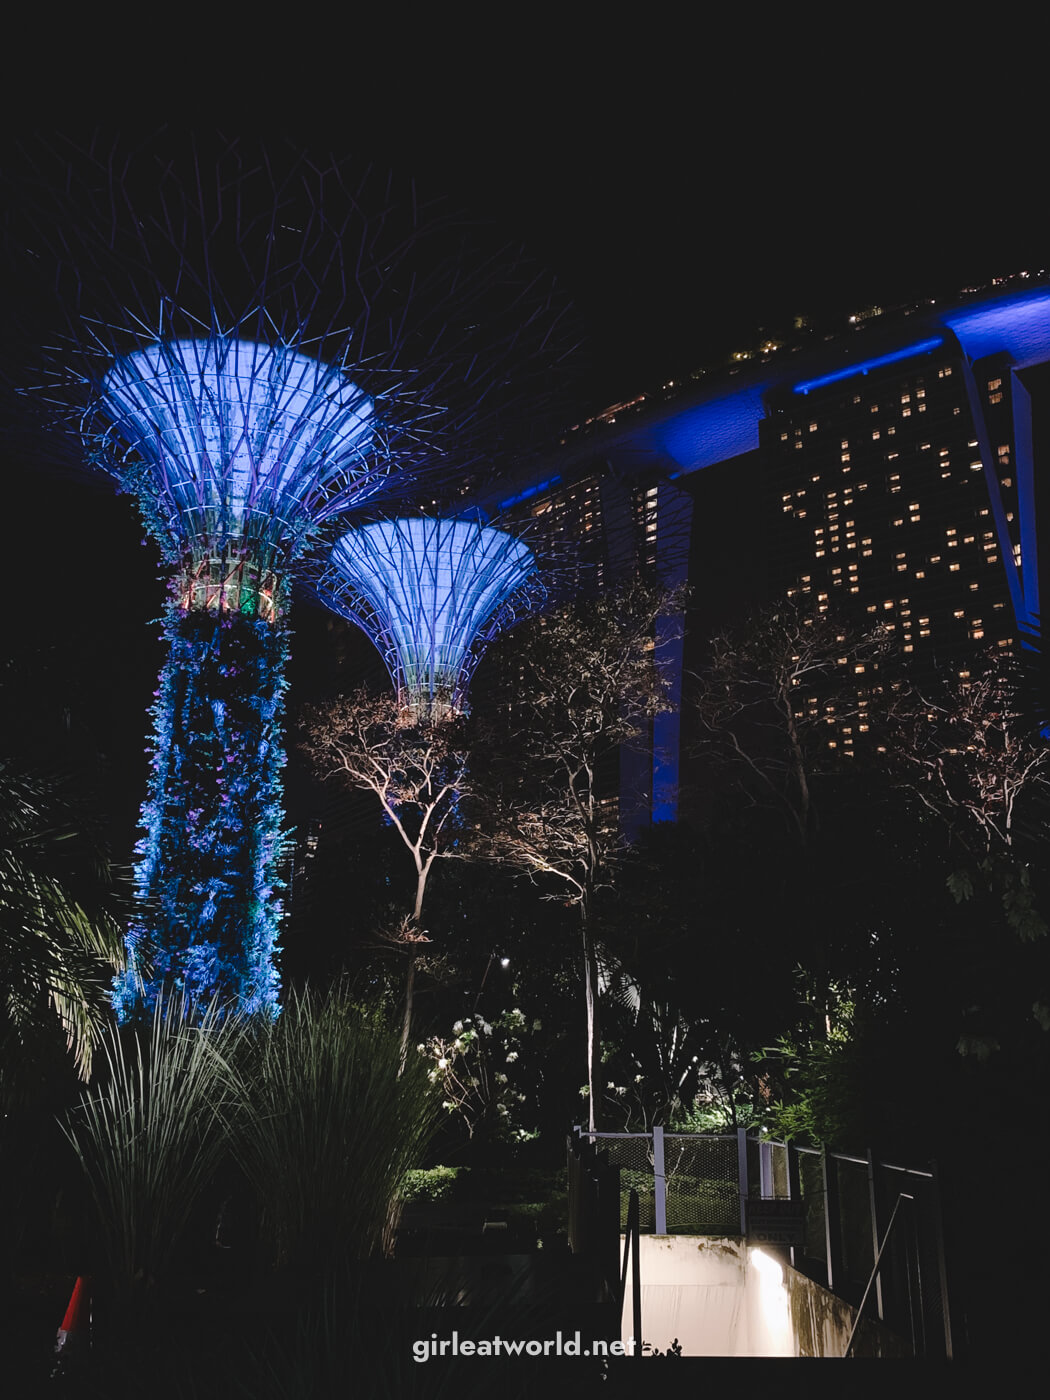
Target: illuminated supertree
x=320 y=342
x=431 y=594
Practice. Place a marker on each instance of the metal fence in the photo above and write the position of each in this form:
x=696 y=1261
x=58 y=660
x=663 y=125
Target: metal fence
x=833 y=1216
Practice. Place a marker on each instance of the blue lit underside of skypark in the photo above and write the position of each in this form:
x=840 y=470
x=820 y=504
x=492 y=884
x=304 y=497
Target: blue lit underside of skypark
x=236 y=451
x=428 y=592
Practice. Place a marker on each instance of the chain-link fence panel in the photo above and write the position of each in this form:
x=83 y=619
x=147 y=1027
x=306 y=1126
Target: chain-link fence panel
x=633 y=1154
x=703 y=1195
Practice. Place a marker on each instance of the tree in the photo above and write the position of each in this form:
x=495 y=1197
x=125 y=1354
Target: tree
x=581 y=682
x=972 y=757
x=58 y=948
x=417 y=769
x=772 y=695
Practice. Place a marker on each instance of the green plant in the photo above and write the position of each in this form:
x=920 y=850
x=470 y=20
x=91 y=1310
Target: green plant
x=151 y=1137
x=325 y=1127
x=430 y=1184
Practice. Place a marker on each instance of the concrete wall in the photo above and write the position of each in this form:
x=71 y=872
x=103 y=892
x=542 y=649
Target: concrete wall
x=721 y=1297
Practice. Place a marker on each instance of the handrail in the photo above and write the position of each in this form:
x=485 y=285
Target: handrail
x=631 y=1247
x=874 y=1271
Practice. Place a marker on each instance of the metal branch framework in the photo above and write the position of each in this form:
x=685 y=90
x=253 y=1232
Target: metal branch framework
x=255 y=344
x=431 y=594
x=240 y=449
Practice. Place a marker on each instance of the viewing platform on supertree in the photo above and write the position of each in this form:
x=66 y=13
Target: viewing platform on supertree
x=431 y=594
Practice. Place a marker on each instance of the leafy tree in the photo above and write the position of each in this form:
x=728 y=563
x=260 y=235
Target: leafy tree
x=579 y=684
x=59 y=945
x=417 y=769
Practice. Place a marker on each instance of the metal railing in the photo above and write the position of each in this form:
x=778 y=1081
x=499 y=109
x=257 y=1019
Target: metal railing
x=828 y=1213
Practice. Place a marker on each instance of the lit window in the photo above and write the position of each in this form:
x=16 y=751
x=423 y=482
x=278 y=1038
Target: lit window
x=953 y=568
x=995 y=383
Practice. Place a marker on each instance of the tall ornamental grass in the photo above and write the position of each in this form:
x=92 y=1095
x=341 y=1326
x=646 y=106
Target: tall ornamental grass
x=325 y=1128
x=151 y=1137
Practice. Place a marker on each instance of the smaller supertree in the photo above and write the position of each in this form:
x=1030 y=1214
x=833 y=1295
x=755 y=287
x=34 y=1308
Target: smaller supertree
x=431 y=594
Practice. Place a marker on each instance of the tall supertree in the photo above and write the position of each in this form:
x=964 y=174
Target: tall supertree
x=255 y=347
x=431 y=594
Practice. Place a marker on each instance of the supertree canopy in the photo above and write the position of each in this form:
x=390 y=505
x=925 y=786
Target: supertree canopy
x=430 y=594
x=256 y=344
x=237 y=450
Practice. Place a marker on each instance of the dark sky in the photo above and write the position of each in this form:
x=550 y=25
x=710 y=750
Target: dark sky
x=683 y=197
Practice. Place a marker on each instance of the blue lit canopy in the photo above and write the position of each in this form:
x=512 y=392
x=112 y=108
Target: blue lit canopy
x=427 y=591
x=244 y=446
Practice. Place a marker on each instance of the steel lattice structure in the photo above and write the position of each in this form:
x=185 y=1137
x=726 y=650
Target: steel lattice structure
x=431 y=594
x=254 y=344
x=242 y=448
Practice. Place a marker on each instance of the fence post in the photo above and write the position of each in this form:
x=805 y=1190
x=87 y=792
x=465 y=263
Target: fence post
x=942 y=1271
x=765 y=1170
x=875 y=1207
x=832 y=1219
x=794 y=1181
x=741 y=1175
x=660 y=1182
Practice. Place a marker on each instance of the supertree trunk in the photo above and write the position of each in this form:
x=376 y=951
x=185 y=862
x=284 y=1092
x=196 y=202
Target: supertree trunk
x=208 y=872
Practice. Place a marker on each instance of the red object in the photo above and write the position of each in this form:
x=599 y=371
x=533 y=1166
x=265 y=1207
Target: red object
x=77 y=1321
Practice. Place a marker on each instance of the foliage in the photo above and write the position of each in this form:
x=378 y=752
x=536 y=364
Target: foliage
x=324 y=1127
x=430 y=1184
x=474 y=1071
x=207 y=874
x=581 y=683
x=150 y=1138
x=57 y=950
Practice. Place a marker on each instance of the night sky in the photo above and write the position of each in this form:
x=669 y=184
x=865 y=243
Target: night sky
x=685 y=214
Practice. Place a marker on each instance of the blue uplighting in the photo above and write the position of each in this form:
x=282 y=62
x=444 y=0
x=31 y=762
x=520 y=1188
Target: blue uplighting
x=921 y=347
x=529 y=492
x=242 y=443
x=427 y=591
